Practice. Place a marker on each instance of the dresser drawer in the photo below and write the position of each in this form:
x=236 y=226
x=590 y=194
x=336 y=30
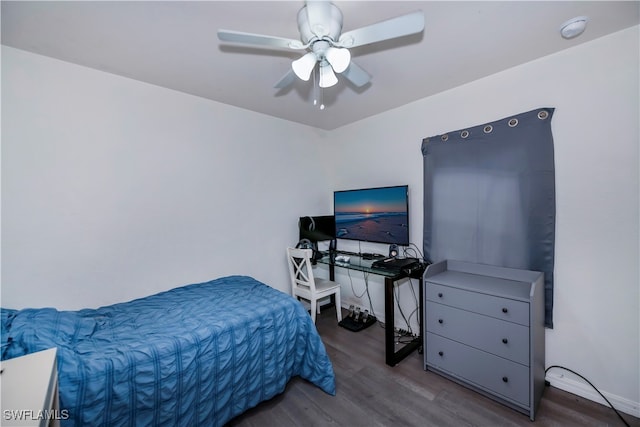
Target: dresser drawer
x=505 y=339
x=489 y=305
x=491 y=373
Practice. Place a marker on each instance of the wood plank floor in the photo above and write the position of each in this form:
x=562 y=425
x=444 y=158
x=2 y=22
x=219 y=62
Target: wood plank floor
x=370 y=393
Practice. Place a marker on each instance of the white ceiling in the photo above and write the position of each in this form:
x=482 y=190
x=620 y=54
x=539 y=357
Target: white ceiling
x=174 y=45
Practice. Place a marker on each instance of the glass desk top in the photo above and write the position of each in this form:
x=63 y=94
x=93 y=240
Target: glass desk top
x=357 y=263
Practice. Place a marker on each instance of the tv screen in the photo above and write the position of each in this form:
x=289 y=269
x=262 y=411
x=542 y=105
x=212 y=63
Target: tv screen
x=378 y=215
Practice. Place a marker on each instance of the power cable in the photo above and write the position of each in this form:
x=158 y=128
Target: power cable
x=594 y=387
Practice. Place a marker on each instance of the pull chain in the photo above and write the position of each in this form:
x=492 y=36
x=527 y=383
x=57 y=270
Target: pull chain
x=317 y=91
x=315 y=88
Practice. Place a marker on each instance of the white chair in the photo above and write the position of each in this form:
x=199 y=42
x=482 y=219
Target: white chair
x=305 y=286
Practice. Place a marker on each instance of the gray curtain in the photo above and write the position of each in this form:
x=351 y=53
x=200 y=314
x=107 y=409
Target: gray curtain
x=489 y=196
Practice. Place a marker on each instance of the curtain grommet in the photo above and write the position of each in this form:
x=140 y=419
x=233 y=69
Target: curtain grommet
x=513 y=123
x=464 y=133
x=488 y=129
x=444 y=137
x=543 y=115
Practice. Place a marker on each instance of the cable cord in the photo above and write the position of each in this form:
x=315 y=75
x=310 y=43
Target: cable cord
x=416 y=249
x=409 y=252
x=415 y=310
x=352 y=288
x=366 y=283
x=397 y=298
x=594 y=387
x=413 y=291
x=413 y=313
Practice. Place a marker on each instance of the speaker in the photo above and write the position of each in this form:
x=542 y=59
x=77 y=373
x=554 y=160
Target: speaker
x=393 y=251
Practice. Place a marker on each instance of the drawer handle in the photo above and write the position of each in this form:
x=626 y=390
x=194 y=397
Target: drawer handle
x=439 y=294
x=505 y=379
x=440 y=321
x=505 y=310
x=440 y=353
x=505 y=341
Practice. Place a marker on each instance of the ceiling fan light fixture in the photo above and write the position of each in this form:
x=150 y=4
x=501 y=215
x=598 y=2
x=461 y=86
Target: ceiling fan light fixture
x=320 y=28
x=304 y=66
x=327 y=76
x=339 y=58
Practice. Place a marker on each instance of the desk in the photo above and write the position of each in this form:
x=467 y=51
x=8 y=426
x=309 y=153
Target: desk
x=392 y=357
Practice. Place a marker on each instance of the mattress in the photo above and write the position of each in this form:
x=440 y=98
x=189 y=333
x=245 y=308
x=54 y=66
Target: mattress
x=195 y=355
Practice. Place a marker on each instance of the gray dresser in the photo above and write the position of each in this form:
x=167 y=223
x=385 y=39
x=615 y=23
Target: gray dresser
x=484 y=328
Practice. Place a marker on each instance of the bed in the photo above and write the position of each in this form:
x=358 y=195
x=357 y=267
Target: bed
x=195 y=355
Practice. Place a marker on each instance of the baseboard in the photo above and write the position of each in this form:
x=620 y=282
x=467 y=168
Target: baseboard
x=582 y=389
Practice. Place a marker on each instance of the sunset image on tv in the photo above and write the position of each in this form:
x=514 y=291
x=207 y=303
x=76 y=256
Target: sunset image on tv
x=373 y=215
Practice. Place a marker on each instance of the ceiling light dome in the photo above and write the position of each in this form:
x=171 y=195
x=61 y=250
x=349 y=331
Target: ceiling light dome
x=574 y=27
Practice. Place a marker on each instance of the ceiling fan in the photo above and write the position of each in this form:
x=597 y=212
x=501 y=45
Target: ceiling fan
x=320 y=26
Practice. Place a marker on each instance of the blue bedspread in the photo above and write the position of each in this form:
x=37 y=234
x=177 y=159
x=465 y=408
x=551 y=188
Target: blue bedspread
x=196 y=355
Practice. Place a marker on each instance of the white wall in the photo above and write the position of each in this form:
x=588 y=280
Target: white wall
x=114 y=189
x=594 y=88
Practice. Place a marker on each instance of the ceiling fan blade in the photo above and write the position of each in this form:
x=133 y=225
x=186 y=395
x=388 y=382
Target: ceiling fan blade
x=338 y=57
x=286 y=80
x=356 y=75
x=259 y=39
x=319 y=16
x=304 y=65
x=391 y=28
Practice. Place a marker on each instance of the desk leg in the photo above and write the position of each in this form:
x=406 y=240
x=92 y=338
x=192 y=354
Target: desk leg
x=332 y=277
x=389 y=321
x=393 y=357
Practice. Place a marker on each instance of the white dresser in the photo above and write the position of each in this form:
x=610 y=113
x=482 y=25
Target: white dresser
x=30 y=390
x=484 y=328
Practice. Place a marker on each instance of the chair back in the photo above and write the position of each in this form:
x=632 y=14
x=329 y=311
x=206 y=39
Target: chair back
x=300 y=270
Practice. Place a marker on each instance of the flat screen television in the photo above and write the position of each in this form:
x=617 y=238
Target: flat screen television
x=379 y=215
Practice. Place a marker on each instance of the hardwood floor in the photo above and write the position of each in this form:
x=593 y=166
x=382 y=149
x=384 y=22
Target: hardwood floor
x=370 y=393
